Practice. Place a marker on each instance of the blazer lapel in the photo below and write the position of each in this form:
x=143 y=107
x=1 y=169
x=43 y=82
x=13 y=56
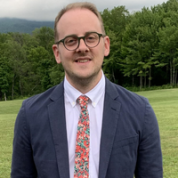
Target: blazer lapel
x=110 y=119
x=58 y=128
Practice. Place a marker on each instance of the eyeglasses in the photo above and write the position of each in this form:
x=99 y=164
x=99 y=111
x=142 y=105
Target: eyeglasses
x=72 y=42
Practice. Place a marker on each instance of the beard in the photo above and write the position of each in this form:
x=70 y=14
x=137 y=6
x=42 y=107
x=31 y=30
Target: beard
x=83 y=78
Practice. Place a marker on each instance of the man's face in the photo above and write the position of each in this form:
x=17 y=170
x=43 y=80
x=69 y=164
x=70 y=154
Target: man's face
x=84 y=62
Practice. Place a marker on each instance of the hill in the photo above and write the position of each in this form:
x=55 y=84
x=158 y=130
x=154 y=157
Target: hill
x=22 y=25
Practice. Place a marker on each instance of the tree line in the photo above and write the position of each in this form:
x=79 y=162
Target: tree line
x=144 y=52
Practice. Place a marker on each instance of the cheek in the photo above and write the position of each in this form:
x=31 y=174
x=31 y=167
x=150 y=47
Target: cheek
x=65 y=56
x=101 y=54
x=66 y=60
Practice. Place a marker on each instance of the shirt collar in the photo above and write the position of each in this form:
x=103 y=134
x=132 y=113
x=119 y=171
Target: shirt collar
x=71 y=93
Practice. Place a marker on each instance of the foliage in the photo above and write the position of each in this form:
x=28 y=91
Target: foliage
x=27 y=64
x=143 y=52
x=137 y=89
x=114 y=23
x=142 y=44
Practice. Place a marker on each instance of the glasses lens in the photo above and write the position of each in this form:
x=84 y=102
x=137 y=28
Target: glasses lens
x=92 y=39
x=71 y=42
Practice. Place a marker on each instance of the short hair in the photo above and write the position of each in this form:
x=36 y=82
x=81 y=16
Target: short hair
x=76 y=5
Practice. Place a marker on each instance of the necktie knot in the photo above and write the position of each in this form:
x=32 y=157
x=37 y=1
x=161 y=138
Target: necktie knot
x=83 y=101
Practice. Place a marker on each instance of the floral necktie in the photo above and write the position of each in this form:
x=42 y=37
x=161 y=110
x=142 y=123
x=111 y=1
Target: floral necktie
x=81 y=166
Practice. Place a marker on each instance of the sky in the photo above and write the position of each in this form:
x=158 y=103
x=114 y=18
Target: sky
x=47 y=10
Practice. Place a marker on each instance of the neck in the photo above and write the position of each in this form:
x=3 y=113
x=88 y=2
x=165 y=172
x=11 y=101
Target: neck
x=84 y=85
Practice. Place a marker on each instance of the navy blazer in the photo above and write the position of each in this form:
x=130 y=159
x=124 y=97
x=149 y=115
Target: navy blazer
x=130 y=141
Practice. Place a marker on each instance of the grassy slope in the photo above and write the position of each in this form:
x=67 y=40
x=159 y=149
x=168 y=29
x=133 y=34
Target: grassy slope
x=164 y=103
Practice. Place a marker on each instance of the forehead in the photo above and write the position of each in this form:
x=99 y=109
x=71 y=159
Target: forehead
x=78 y=21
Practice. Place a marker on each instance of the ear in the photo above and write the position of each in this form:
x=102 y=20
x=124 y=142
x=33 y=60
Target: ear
x=56 y=53
x=107 y=46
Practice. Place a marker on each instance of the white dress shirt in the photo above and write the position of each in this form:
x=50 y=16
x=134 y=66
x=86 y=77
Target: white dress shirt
x=72 y=111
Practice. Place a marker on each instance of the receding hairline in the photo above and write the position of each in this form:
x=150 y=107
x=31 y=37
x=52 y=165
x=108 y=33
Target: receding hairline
x=78 y=5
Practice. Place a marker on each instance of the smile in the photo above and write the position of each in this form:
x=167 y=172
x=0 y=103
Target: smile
x=82 y=61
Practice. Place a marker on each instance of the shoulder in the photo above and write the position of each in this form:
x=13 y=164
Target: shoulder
x=123 y=95
x=44 y=98
x=133 y=107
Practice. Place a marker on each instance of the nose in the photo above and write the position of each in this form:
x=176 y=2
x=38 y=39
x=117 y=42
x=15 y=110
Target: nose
x=82 y=46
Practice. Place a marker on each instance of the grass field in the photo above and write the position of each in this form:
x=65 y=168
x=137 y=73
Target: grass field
x=164 y=103
x=8 y=113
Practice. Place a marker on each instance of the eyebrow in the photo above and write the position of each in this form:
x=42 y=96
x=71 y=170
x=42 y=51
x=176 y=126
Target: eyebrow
x=77 y=36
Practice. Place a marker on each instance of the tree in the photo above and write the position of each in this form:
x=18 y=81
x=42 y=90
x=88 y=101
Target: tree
x=4 y=67
x=4 y=76
x=139 y=43
x=114 y=23
x=168 y=35
x=39 y=70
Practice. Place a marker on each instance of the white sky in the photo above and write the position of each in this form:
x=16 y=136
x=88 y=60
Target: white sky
x=46 y=10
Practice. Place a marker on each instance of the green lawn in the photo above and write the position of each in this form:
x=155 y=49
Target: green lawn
x=164 y=103
x=8 y=113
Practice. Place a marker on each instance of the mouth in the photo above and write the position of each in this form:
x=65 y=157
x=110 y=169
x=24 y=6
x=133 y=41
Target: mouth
x=82 y=60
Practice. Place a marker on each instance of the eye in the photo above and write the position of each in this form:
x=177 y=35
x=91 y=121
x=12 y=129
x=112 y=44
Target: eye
x=69 y=41
x=92 y=37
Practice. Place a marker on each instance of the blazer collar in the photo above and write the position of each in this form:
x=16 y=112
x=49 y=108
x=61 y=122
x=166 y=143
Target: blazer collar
x=110 y=120
x=58 y=92
x=58 y=127
x=57 y=120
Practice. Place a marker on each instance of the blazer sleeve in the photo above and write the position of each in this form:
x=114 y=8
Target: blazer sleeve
x=149 y=161
x=22 y=158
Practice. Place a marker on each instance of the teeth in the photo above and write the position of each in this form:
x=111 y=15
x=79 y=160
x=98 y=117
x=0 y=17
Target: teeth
x=85 y=60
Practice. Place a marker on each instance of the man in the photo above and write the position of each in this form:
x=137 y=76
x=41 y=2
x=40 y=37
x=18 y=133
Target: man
x=117 y=133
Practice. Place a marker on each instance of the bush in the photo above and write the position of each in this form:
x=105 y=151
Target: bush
x=136 y=89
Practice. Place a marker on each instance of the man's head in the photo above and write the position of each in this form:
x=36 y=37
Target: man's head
x=79 y=5
x=81 y=44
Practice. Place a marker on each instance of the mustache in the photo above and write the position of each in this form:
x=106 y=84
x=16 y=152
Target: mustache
x=84 y=55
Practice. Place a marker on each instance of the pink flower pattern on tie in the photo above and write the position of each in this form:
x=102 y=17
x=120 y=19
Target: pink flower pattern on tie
x=81 y=168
